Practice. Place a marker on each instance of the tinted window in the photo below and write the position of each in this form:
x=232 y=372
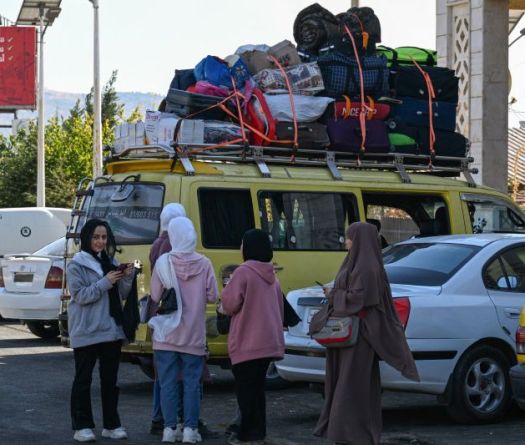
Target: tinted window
x=131 y=209
x=225 y=215
x=306 y=221
x=426 y=264
x=493 y=215
x=401 y=216
x=506 y=272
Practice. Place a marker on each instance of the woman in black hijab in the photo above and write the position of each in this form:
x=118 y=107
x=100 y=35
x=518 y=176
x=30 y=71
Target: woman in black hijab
x=95 y=321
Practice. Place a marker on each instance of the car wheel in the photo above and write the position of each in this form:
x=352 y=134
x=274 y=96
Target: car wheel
x=274 y=380
x=44 y=329
x=480 y=386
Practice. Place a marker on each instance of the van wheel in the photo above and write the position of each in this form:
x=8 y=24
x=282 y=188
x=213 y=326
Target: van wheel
x=43 y=329
x=480 y=386
x=274 y=380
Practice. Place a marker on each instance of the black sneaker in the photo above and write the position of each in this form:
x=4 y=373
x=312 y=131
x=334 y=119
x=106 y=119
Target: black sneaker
x=207 y=433
x=157 y=427
x=232 y=430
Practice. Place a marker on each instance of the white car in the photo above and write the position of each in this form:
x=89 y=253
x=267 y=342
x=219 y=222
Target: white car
x=31 y=286
x=459 y=298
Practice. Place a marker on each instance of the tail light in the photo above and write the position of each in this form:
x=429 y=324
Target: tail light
x=520 y=340
x=402 y=305
x=54 y=278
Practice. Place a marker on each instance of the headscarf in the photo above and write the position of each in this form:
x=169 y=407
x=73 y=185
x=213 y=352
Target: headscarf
x=256 y=245
x=182 y=235
x=106 y=261
x=362 y=272
x=170 y=211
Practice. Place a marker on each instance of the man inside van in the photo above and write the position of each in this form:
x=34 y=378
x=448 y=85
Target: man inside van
x=160 y=246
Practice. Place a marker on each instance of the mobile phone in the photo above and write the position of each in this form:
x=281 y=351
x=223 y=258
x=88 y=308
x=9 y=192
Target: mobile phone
x=320 y=284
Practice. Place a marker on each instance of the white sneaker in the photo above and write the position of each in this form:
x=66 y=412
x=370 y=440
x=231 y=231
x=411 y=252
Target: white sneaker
x=191 y=435
x=84 y=435
x=169 y=435
x=117 y=433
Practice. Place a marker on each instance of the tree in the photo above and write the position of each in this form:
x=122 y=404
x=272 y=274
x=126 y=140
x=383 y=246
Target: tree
x=136 y=115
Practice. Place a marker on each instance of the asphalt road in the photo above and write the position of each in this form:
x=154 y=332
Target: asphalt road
x=36 y=376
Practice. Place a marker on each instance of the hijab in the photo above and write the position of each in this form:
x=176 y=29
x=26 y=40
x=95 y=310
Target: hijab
x=170 y=211
x=256 y=245
x=182 y=235
x=363 y=269
x=106 y=261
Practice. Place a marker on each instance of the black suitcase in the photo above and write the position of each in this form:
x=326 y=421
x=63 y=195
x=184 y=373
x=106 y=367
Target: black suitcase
x=408 y=81
x=448 y=143
x=184 y=103
x=312 y=135
x=415 y=112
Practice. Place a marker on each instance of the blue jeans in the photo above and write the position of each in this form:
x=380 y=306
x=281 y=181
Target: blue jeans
x=169 y=365
x=156 y=415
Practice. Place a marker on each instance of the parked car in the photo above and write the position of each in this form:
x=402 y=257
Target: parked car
x=31 y=286
x=459 y=298
x=517 y=372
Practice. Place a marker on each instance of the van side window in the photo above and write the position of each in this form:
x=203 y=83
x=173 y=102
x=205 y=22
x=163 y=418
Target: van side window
x=306 y=221
x=225 y=215
x=490 y=214
x=401 y=216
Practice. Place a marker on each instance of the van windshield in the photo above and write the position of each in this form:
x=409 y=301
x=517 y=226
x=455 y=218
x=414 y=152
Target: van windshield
x=132 y=210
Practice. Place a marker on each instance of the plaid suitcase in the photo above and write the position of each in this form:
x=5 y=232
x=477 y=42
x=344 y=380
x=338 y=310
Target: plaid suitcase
x=415 y=112
x=341 y=74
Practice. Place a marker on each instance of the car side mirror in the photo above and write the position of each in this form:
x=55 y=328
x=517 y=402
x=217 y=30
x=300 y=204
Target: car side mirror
x=512 y=281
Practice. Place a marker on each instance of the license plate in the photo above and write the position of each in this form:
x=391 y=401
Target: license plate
x=22 y=277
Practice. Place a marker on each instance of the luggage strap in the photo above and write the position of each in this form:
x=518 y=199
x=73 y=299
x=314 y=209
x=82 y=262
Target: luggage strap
x=363 y=32
x=431 y=96
x=362 y=112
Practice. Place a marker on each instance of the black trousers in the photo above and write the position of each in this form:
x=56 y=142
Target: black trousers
x=250 y=379
x=108 y=355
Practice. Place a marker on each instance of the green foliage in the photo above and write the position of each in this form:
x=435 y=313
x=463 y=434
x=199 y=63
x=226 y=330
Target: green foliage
x=68 y=153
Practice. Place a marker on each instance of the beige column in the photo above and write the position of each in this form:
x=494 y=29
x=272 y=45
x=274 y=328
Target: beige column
x=472 y=39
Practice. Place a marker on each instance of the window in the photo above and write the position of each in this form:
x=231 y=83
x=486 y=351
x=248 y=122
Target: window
x=307 y=220
x=226 y=214
x=425 y=264
x=489 y=214
x=507 y=271
x=131 y=209
x=401 y=216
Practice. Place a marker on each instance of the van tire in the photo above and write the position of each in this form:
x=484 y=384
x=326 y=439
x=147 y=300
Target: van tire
x=483 y=368
x=44 y=329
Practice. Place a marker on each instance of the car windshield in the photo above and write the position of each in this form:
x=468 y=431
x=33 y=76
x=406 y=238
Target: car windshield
x=426 y=264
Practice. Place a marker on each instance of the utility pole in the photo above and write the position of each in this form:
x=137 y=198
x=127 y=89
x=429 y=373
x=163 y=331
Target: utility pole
x=97 y=105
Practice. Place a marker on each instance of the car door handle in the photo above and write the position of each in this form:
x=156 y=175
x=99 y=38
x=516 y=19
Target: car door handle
x=512 y=312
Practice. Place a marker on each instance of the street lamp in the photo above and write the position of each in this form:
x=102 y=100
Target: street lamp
x=97 y=106
x=522 y=33
x=42 y=13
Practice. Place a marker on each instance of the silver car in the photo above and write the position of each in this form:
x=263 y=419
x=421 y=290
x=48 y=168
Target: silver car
x=459 y=298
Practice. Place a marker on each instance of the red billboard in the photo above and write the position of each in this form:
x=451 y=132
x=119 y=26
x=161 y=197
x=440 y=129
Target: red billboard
x=17 y=67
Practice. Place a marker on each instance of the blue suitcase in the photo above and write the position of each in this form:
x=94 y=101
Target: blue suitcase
x=415 y=112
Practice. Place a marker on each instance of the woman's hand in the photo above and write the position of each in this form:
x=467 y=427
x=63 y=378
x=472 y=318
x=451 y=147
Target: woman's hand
x=326 y=291
x=114 y=276
x=129 y=270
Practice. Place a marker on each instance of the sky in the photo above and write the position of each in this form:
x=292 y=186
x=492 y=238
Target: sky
x=146 y=40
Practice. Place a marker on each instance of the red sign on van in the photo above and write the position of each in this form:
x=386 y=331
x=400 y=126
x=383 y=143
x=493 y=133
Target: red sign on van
x=17 y=67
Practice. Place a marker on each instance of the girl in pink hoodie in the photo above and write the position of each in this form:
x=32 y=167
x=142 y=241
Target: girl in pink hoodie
x=179 y=338
x=254 y=299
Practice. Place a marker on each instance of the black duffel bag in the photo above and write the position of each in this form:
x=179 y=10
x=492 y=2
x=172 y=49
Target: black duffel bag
x=183 y=79
x=409 y=81
x=341 y=74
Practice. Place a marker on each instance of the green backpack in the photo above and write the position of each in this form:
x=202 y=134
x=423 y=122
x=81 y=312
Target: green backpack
x=404 y=54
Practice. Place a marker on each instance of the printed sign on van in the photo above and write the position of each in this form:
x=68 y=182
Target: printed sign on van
x=17 y=67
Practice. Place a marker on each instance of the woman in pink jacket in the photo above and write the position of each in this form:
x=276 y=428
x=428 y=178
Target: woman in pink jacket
x=254 y=299
x=179 y=338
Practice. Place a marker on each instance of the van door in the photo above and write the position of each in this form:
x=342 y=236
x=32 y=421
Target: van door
x=504 y=278
x=307 y=229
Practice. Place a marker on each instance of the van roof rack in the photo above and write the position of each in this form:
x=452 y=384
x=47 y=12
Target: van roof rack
x=333 y=160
